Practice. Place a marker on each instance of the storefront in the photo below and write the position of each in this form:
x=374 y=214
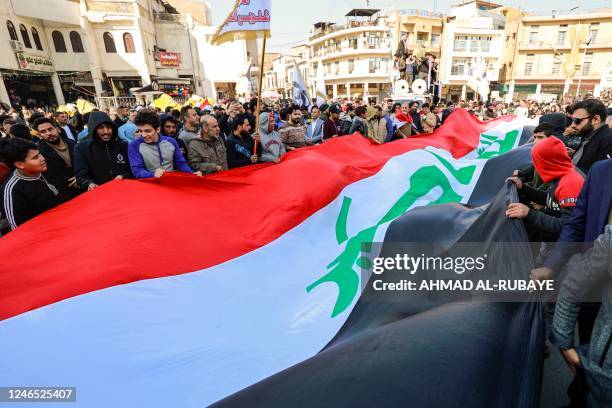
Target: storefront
x=31 y=85
x=121 y=85
x=175 y=87
x=77 y=85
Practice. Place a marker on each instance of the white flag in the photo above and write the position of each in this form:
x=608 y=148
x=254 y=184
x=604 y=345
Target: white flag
x=300 y=93
x=321 y=90
x=248 y=19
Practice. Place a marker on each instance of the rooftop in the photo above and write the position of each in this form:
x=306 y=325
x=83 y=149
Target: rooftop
x=362 y=12
x=486 y=4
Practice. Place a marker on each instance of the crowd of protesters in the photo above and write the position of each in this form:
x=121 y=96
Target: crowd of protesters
x=47 y=158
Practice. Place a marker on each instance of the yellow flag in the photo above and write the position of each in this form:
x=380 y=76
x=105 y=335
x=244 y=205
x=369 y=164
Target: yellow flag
x=164 y=101
x=84 y=106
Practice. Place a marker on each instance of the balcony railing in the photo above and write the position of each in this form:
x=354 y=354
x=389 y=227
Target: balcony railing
x=421 y=13
x=107 y=7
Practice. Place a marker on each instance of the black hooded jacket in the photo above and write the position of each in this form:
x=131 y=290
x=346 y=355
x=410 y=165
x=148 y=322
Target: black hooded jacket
x=58 y=171
x=99 y=162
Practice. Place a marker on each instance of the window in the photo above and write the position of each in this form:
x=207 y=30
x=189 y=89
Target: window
x=11 y=30
x=533 y=37
x=586 y=67
x=421 y=39
x=460 y=43
x=593 y=35
x=24 y=36
x=75 y=41
x=353 y=43
x=562 y=35
x=588 y=56
x=128 y=43
x=109 y=43
x=474 y=43
x=458 y=66
x=375 y=64
x=373 y=41
x=351 y=65
x=435 y=40
x=36 y=39
x=530 y=57
x=58 y=41
x=556 y=68
x=485 y=44
x=528 y=68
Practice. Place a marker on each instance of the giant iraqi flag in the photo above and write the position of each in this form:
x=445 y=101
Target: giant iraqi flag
x=243 y=288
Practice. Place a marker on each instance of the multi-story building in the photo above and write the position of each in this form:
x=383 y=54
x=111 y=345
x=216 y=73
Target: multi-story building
x=561 y=54
x=356 y=57
x=279 y=77
x=423 y=29
x=473 y=35
x=92 y=48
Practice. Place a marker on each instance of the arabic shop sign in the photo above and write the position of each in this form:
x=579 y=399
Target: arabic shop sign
x=34 y=63
x=169 y=59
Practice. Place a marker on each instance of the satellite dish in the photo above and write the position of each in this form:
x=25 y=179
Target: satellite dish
x=419 y=86
x=401 y=87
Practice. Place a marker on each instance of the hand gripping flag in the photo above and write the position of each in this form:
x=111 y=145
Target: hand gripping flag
x=249 y=19
x=265 y=307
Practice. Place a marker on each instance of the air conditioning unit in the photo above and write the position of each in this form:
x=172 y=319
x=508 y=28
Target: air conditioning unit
x=16 y=45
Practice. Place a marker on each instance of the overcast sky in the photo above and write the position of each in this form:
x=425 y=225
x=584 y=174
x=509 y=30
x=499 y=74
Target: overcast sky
x=293 y=19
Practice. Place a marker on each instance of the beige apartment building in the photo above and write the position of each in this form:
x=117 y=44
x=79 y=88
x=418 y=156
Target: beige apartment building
x=560 y=54
x=423 y=29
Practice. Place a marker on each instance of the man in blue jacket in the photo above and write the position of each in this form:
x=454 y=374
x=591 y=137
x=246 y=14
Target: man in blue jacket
x=153 y=154
x=314 y=130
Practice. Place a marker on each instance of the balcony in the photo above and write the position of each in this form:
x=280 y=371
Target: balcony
x=374 y=26
x=169 y=18
x=107 y=7
x=541 y=45
x=420 y=13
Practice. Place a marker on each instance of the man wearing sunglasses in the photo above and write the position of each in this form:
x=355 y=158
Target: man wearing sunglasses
x=588 y=121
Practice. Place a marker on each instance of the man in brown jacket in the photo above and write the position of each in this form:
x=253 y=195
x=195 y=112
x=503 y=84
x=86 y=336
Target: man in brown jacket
x=428 y=119
x=207 y=154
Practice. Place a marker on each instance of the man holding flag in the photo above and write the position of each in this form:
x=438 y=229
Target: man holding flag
x=248 y=20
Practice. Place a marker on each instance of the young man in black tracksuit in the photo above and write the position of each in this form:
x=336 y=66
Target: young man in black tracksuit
x=59 y=155
x=103 y=157
x=27 y=192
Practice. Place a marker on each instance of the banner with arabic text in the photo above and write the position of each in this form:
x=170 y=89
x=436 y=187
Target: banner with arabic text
x=249 y=19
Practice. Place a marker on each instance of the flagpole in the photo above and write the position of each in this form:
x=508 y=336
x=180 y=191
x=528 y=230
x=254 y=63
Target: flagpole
x=259 y=84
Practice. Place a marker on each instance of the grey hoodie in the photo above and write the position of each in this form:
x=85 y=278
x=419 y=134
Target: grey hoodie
x=271 y=143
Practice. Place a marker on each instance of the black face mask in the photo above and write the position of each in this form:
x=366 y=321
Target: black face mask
x=587 y=129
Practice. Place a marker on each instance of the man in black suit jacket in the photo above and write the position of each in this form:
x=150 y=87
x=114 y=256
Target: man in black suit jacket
x=589 y=122
x=66 y=130
x=59 y=155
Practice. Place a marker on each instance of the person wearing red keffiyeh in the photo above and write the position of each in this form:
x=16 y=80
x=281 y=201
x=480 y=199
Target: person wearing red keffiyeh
x=403 y=125
x=555 y=167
